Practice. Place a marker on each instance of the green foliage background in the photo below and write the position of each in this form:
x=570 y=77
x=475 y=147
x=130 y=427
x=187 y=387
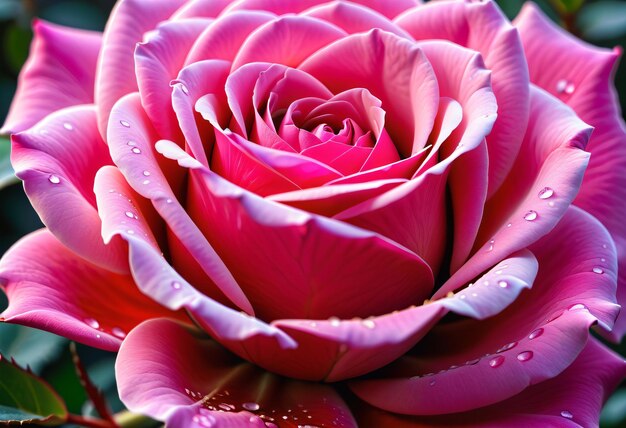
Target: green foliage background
x=601 y=22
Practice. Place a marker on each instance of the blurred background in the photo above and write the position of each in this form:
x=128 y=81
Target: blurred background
x=600 y=22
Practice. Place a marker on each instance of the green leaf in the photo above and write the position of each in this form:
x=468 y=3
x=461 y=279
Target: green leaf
x=567 y=6
x=25 y=398
x=603 y=21
x=31 y=347
x=7 y=176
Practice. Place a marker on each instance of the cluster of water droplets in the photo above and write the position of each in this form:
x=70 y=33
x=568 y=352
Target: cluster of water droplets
x=566 y=87
x=223 y=401
x=95 y=324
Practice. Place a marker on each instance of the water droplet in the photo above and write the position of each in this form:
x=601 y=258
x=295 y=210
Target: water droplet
x=68 y=126
x=184 y=89
x=567 y=414
x=509 y=224
x=129 y=214
x=531 y=215
x=146 y=173
x=507 y=347
x=462 y=296
x=54 y=179
x=176 y=285
x=334 y=321
x=368 y=324
x=125 y=124
x=474 y=295
x=168 y=201
x=525 y=356
x=554 y=317
x=503 y=284
x=93 y=323
x=551 y=203
x=546 y=193
x=561 y=85
x=131 y=143
x=605 y=246
x=130 y=232
x=486 y=283
x=472 y=362
x=146 y=182
x=598 y=270
x=499 y=272
x=111 y=190
x=432 y=383
x=98 y=336
x=603 y=260
x=252 y=407
x=118 y=332
x=577 y=307
x=535 y=334
x=136 y=150
x=496 y=361
x=490 y=246
x=570 y=88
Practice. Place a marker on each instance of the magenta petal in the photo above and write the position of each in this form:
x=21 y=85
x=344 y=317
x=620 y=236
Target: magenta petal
x=201 y=8
x=45 y=284
x=572 y=399
x=543 y=182
x=131 y=140
x=223 y=38
x=115 y=76
x=158 y=61
x=54 y=77
x=57 y=159
x=193 y=382
x=353 y=18
x=482 y=27
x=581 y=76
x=394 y=70
x=534 y=339
x=287 y=40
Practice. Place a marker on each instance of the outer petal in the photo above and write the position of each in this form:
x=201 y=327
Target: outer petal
x=394 y=71
x=199 y=8
x=572 y=399
x=158 y=61
x=54 y=77
x=131 y=140
x=129 y=21
x=581 y=75
x=481 y=26
x=542 y=332
x=193 y=382
x=57 y=160
x=540 y=188
x=46 y=286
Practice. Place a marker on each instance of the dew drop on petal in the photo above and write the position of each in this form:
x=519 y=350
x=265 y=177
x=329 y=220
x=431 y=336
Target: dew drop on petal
x=146 y=173
x=176 y=285
x=93 y=323
x=570 y=88
x=546 y=193
x=598 y=270
x=125 y=124
x=535 y=334
x=368 y=324
x=252 y=407
x=146 y=182
x=577 y=307
x=129 y=214
x=68 y=126
x=136 y=150
x=507 y=347
x=561 y=85
x=503 y=284
x=131 y=143
x=525 y=356
x=334 y=321
x=567 y=414
x=490 y=246
x=509 y=224
x=54 y=179
x=118 y=332
x=496 y=361
x=531 y=215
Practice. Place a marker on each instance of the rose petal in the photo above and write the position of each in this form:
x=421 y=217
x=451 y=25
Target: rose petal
x=581 y=75
x=158 y=61
x=542 y=184
x=200 y=8
x=57 y=160
x=45 y=284
x=129 y=124
x=568 y=290
x=196 y=383
x=54 y=77
x=573 y=398
x=482 y=27
x=223 y=38
x=393 y=70
x=287 y=40
x=115 y=76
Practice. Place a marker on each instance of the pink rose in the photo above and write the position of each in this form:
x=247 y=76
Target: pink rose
x=327 y=189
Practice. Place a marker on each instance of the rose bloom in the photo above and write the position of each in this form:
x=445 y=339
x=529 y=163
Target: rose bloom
x=298 y=213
